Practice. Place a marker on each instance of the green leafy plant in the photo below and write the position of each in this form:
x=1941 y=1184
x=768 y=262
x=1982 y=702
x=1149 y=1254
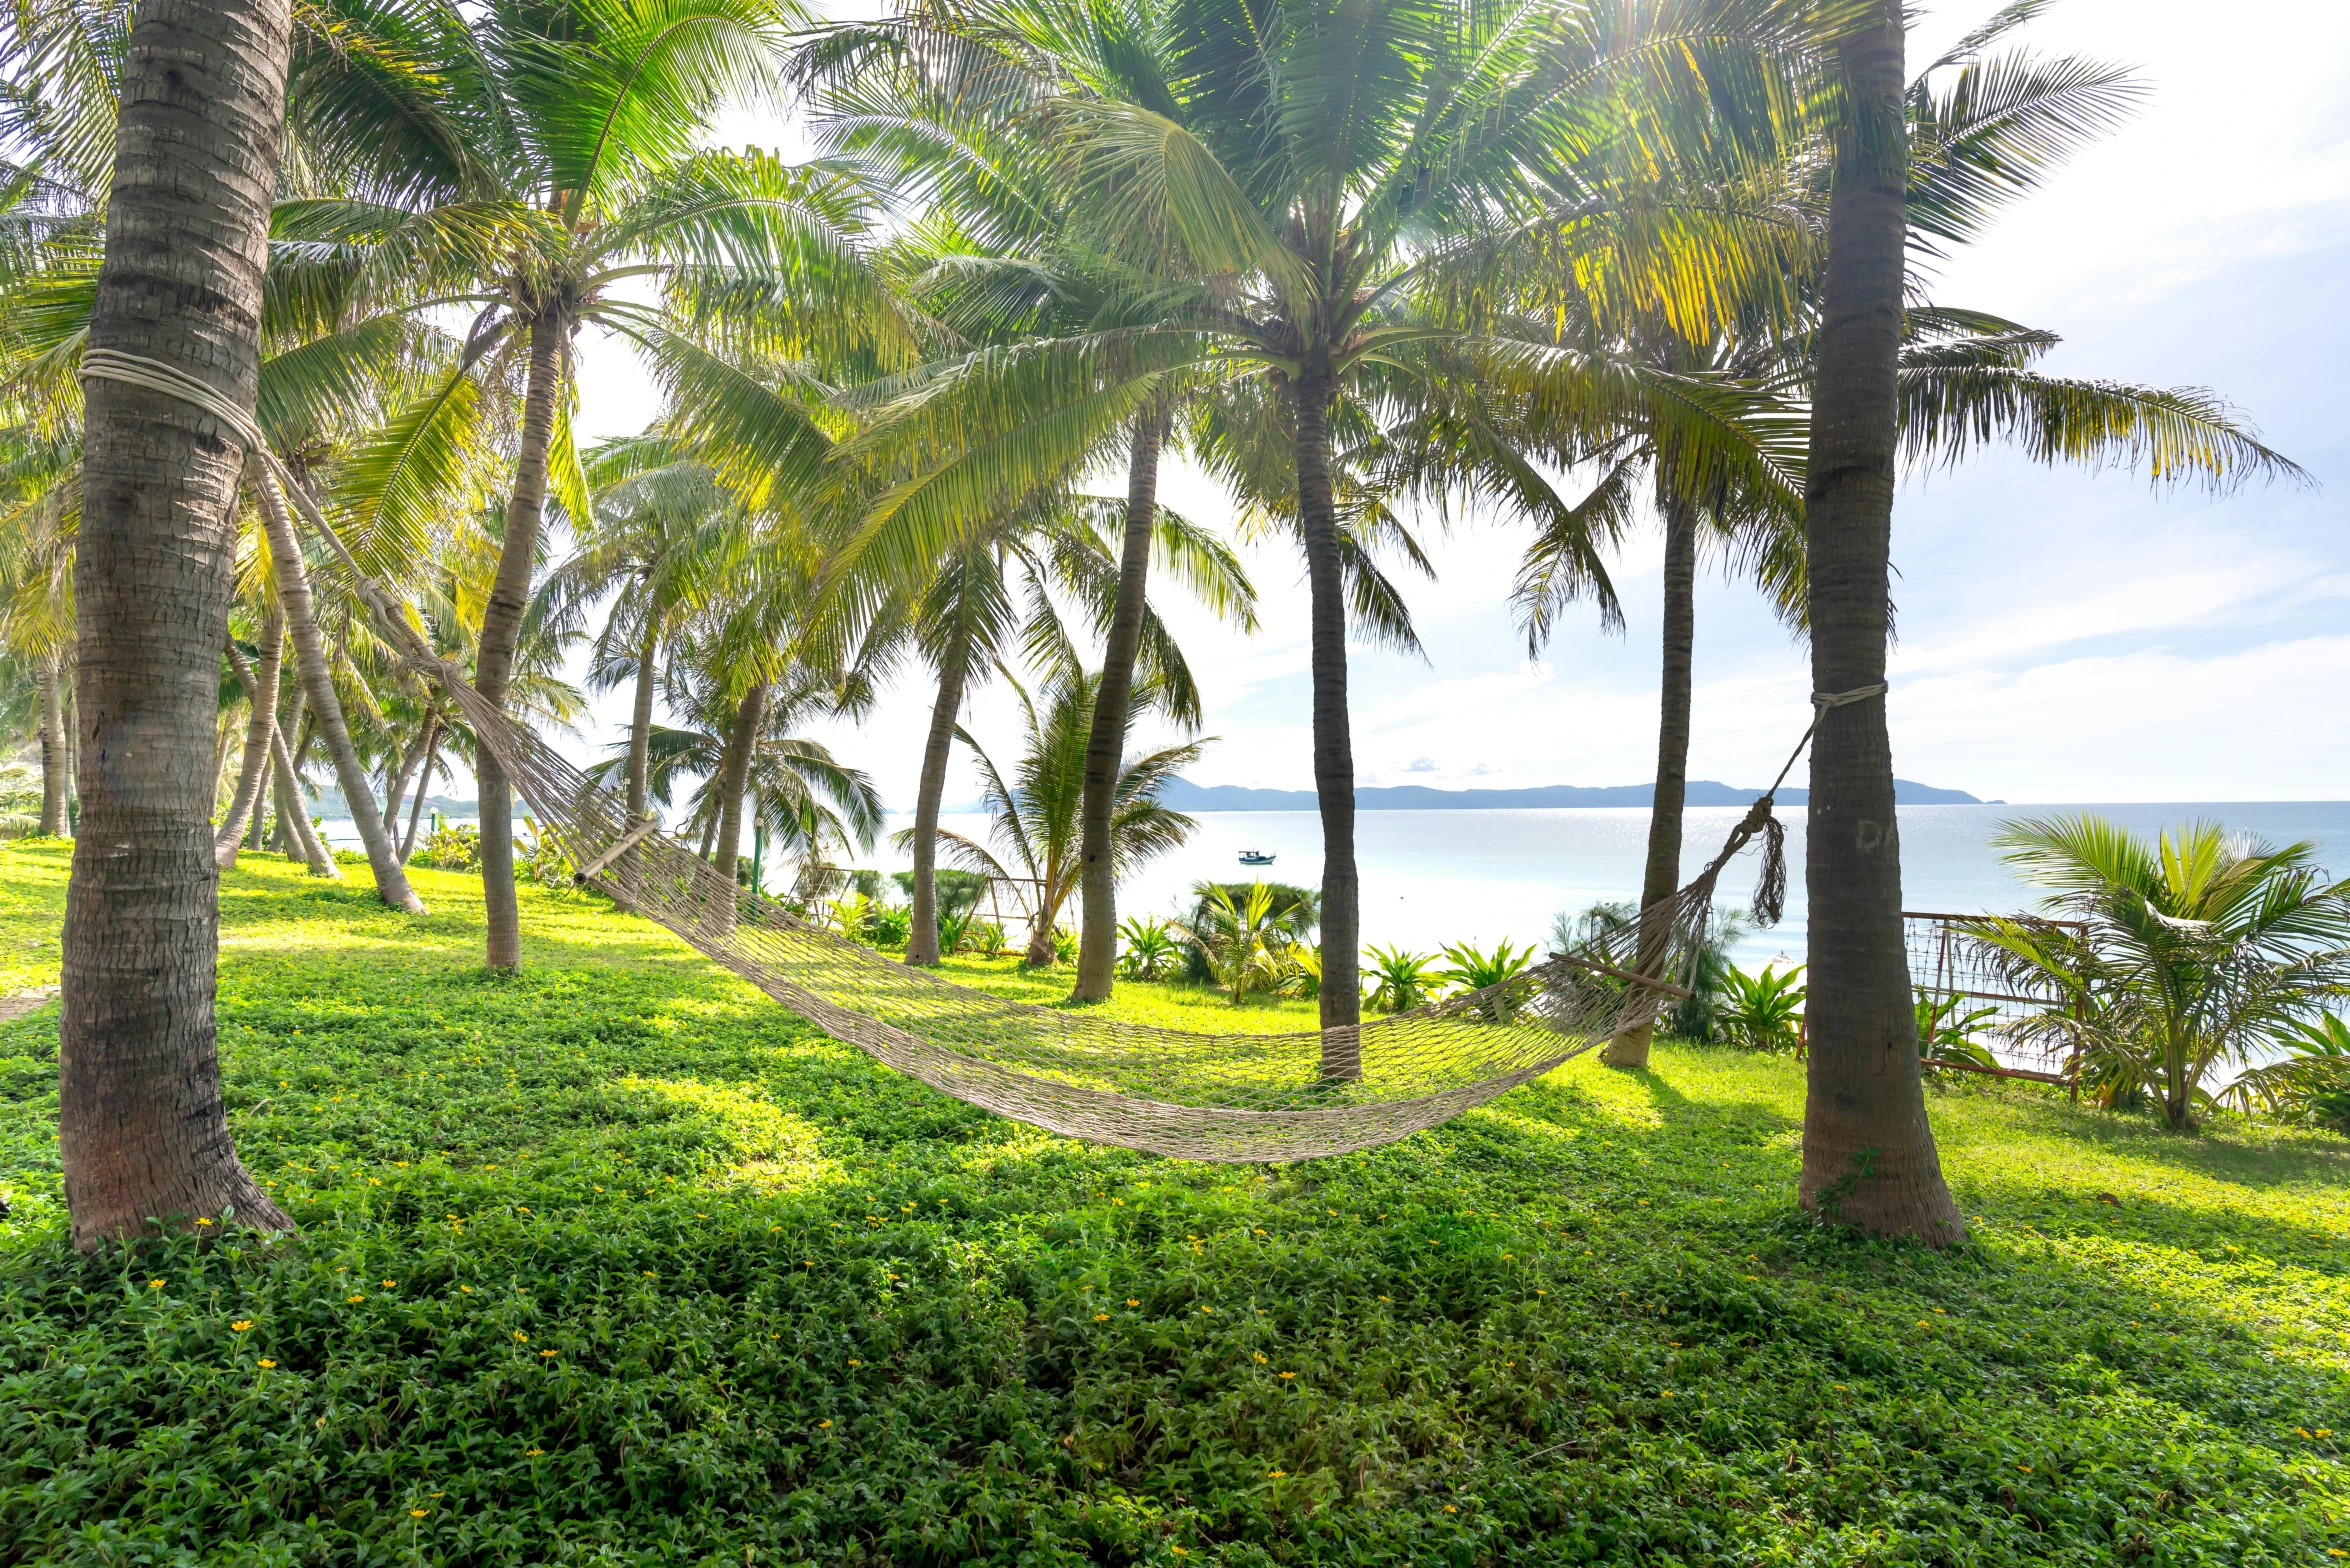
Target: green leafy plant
x=1947 y=1028
x=1473 y=970
x=1152 y=950
x=1397 y=981
x=1246 y=943
x=2191 y=951
x=1761 y=1012
x=954 y=931
x=987 y=938
x=2310 y=1085
x=450 y=848
x=1303 y=976
x=887 y=927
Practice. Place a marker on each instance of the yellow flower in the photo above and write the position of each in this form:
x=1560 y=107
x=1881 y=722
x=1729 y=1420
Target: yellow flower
x=391 y=1284
x=1922 y=1323
x=265 y=1365
x=547 y=1352
x=649 y=1274
x=1286 y=1376
x=822 y=1425
x=1207 y=1309
x=1121 y=1202
x=533 y=1453
x=520 y=1338
x=1542 y=1293
x=1130 y=1301
x=1101 y=1317
x=771 y=1230
x=1178 y=1551
x=1668 y=1393
x=599 y=1189
x=2325 y=1431
x=372 y=1182
x=519 y=1209
x=853 y=1363
x=1509 y=1256
x=354 y=1299
x=1276 y=1474
x=1260 y=1232
x=468 y=1289
x=240 y=1325
x=418 y=1513
x=202 y=1221
x=1259 y=1356
x=1450 y=1509
x=887 y=1275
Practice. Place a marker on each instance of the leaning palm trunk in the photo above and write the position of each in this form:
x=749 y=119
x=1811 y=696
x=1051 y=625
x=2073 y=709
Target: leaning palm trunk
x=734 y=777
x=297 y=838
x=501 y=631
x=1868 y=1152
x=142 y=1131
x=53 y=750
x=260 y=731
x=432 y=757
x=640 y=758
x=1097 y=954
x=922 y=934
x=1663 y=874
x=326 y=708
x=1334 y=782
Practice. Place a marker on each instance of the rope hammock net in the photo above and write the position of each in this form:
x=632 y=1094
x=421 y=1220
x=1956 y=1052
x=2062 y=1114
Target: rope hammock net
x=1221 y=1097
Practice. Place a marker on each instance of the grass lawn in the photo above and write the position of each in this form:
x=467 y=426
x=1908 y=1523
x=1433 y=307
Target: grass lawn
x=614 y=1261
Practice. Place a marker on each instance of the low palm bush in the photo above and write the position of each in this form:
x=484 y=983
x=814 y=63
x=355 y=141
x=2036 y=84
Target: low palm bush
x=1396 y=981
x=2310 y=1085
x=1245 y=943
x=1151 y=949
x=448 y=848
x=2197 y=950
x=1474 y=970
x=1761 y=1012
x=1947 y=1028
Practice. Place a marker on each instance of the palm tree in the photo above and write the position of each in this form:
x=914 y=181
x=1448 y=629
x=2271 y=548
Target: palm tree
x=142 y=1132
x=1036 y=808
x=37 y=525
x=1868 y=1152
x=539 y=167
x=2198 y=949
x=1315 y=201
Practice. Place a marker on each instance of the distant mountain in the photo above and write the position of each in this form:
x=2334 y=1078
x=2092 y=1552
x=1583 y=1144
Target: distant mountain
x=1183 y=795
x=329 y=803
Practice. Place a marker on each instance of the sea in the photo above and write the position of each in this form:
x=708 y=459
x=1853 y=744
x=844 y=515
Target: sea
x=1435 y=877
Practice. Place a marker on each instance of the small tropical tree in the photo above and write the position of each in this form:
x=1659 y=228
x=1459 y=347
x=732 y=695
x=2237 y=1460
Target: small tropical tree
x=1248 y=942
x=1036 y=808
x=2201 y=948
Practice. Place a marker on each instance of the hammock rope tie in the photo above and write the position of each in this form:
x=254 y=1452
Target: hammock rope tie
x=1233 y=1097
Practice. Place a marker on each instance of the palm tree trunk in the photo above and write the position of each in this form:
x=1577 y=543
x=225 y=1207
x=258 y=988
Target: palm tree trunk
x=260 y=730
x=1662 y=877
x=1105 y=746
x=326 y=708
x=922 y=933
x=501 y=630
x=1334 y=758
x=432 y=755
x=734 y=775
x=398 y=790
x=297 y=837
x=141 y=1127
x=640 y=760
x=1868 y=1151
x=53 y=750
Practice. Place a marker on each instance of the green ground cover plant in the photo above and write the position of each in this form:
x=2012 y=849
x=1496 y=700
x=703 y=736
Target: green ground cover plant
x=615 y=1261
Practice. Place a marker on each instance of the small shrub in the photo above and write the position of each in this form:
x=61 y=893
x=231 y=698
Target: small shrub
x=1400 y=981
x=987 y=938
x=1761 y=1012
x=1152 y=952
x=448 y=848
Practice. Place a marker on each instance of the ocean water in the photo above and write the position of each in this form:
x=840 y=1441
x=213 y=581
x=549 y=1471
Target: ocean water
x=1432 y=877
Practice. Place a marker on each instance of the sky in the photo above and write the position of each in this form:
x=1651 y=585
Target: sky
x=2062 y=636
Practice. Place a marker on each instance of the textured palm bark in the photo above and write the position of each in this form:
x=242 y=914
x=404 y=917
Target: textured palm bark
x=142 y=1131
x=501 y=630
x=1105 y=743
x=53 y=748
x=1661 y=878
x=326 y=708
x=953 y=669
x=1869 y=1160
x=260 y=683
x=734 y=777
x=1334 y=756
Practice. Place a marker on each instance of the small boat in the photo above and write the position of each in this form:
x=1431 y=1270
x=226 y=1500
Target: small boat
x=1255 y=857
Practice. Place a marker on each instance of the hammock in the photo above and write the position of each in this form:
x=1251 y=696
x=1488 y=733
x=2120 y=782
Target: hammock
x=1221 y=1097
